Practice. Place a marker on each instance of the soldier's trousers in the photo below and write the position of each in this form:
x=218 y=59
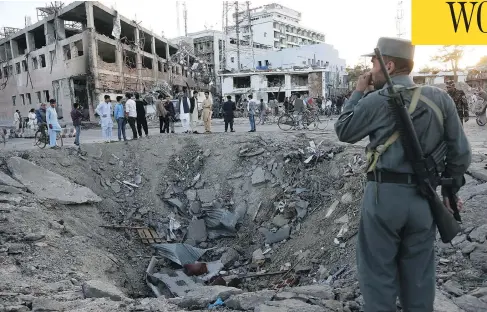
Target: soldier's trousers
x=395 y=249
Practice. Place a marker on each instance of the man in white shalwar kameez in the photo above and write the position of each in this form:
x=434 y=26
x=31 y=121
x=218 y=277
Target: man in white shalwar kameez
x=52 y=123
x=184 y=106
x=105 y=111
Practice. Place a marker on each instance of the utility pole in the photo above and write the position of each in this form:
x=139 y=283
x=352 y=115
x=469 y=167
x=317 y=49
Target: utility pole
x=251 y=38
x=185 y=16
x=237 y=31
x=178 y=21
x=223 y=64
x=399 y=18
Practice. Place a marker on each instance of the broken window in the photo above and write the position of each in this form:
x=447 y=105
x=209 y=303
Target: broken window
x=159 y=66
x=267 y=63
x=46 y=96
x=19 y=45
x=35 y=63
x=38 y=95
x=299 y=80
x=77 y=49
x=130 y=59
x=13 y=100
x=260 y=63
x=1 y=74
x=42 y=60
x=241 y=82
x=127 y=33
x=107 y=56
x=29 y=100
x=275 y=80
x=17 y=68
x=145 y=42
x=146 y=62
x=103 y=22
x=160 y=48
x=67 y=52
x=22 y=98
x=39 y=37
x=232 y=59
x=25 y=67
x=10 y=70
x=72 y=28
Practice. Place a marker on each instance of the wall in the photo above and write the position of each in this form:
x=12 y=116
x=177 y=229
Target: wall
x=315 y=85
x=287 y=58
x=42 y=79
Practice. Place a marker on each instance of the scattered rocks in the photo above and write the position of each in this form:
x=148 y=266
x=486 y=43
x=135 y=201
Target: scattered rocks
x=258 y=176
x=46 y=184
x=470 y=303
x=201 y=297
x=99 y=289
x=281 y=234
x=249 y=301
x=479 y=234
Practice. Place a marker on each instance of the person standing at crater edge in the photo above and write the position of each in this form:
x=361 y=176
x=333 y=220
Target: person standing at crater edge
x=395 y=247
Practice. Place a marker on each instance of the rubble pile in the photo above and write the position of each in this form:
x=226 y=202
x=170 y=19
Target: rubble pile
x=229 y=223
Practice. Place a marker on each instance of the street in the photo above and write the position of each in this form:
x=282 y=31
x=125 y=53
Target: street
x=94 y=135
x=476 y=134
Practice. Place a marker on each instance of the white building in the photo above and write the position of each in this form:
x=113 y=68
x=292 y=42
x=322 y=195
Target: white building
x=317 y=55
x=277 y=26
x=280 y=84
x=438 y=78
x=208 y=45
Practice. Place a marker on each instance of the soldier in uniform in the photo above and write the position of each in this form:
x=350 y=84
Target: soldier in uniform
x=460 y=100
x=395 y=248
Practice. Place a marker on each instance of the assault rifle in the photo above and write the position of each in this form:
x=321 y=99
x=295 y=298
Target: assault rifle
x=427 y=178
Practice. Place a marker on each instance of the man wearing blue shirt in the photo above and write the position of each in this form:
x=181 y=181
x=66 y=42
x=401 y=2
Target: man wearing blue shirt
x=119 y=115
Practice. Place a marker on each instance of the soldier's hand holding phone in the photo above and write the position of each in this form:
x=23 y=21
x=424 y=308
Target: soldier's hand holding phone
x=363 y=82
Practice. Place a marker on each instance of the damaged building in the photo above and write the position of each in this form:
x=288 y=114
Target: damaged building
x=281 y=84
x=80 y=52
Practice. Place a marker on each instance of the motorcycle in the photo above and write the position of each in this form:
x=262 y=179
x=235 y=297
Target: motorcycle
x=481 y=117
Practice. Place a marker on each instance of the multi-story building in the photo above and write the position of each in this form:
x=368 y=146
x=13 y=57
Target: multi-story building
x=277 y=26
x=318 y=55
x=209 y=46
x=265 y=84
x=438 y=78
x=79 y=53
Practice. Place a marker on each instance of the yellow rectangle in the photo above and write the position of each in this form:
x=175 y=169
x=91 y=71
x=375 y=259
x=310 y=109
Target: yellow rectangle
x=440 y=22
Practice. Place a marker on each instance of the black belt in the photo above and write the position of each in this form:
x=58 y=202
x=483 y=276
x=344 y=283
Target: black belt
x=391 y=177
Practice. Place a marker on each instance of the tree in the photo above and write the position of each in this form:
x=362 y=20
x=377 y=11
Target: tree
x=355 y=72
x=482 y=61
x=427 y=70
x=450 y=54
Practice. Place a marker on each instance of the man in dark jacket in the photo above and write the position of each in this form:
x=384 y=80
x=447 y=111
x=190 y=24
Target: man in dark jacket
x=141 y=119
x=228 y=108
x=76 y=116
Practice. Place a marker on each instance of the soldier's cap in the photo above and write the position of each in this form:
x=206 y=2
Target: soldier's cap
x=395 y=47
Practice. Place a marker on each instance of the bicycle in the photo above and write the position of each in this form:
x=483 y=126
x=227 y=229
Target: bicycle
x=41 y=138
x=287 y=121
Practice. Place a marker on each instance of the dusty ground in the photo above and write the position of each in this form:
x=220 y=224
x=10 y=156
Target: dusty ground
x=48 y=250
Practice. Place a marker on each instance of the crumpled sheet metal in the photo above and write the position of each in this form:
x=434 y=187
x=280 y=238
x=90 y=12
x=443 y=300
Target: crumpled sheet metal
x=180 y=253
x=221 y=218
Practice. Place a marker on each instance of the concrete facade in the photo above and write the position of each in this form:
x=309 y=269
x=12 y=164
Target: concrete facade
x=107 y=53
x=277 y=26
x=438 y=78
x=262 y=85
x=317 y=55
x=208 y=45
